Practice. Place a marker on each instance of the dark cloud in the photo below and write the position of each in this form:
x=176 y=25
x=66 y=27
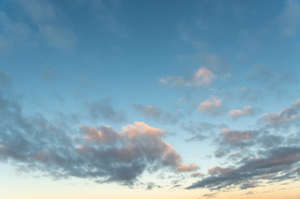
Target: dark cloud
x=102 y=154
x=157 y=114
x=274 y=165
x=104 y=110
x=284 y=120
x=236 y=138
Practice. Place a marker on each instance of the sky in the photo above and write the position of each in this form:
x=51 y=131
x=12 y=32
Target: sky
x=142 y=99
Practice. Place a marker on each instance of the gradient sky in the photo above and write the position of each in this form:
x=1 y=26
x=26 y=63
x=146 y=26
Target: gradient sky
x=149 y=99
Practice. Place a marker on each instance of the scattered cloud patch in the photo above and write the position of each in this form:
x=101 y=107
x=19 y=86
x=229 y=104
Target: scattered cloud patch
x=286 y=118
x=157 y=114
x=238 y=113
x=201 y=78
x=212 y=106
x=237 y=138
x=188 y=168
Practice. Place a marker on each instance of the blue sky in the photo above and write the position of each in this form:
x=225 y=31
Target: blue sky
x=214 y=83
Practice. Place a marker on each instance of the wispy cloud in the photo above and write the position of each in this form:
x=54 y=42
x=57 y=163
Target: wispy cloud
x=277 y=164
x=238 y=113
x=104 y=109
x=157 y=114
x=289 y=18
x=201 y=78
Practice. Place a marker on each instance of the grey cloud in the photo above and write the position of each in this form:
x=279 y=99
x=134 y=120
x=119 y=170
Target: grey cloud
x=276 y=164
x=101 y=154
x=285 y=119
x=237 y=138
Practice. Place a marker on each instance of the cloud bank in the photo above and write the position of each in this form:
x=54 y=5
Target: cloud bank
x=102 y=154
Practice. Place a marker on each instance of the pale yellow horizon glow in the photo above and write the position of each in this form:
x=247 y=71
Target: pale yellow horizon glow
x=26 y=187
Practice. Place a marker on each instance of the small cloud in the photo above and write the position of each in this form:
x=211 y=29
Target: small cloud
x=195 y=175
x=210 y=195
x=238 y=113
x=157 y=114
x=236 y=137
x=188 y=168
x=284 y=119
x=201 y=78
x=211 y=106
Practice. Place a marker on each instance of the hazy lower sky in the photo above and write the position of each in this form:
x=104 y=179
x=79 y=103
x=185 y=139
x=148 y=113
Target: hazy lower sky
x=149 y=99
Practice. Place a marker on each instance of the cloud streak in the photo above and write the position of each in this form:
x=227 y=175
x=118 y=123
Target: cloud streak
x=201 y=78
x=238 y=113
x=157 y=114
x=275 y=165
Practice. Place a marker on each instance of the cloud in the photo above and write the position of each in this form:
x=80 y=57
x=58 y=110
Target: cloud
x=275 y=165
x=59 y=37
x=210 y=195
x=213 y=106
x=274 y=82
x=14 y=33
x=157 y=114
x=286 y=118
x=102 y=154
x=46 y=17
x=188 y=168
x=40 y=20
x=201 y=78
x=237 y=113
x=103 y=109
x=201 y=130
x=235 y=137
